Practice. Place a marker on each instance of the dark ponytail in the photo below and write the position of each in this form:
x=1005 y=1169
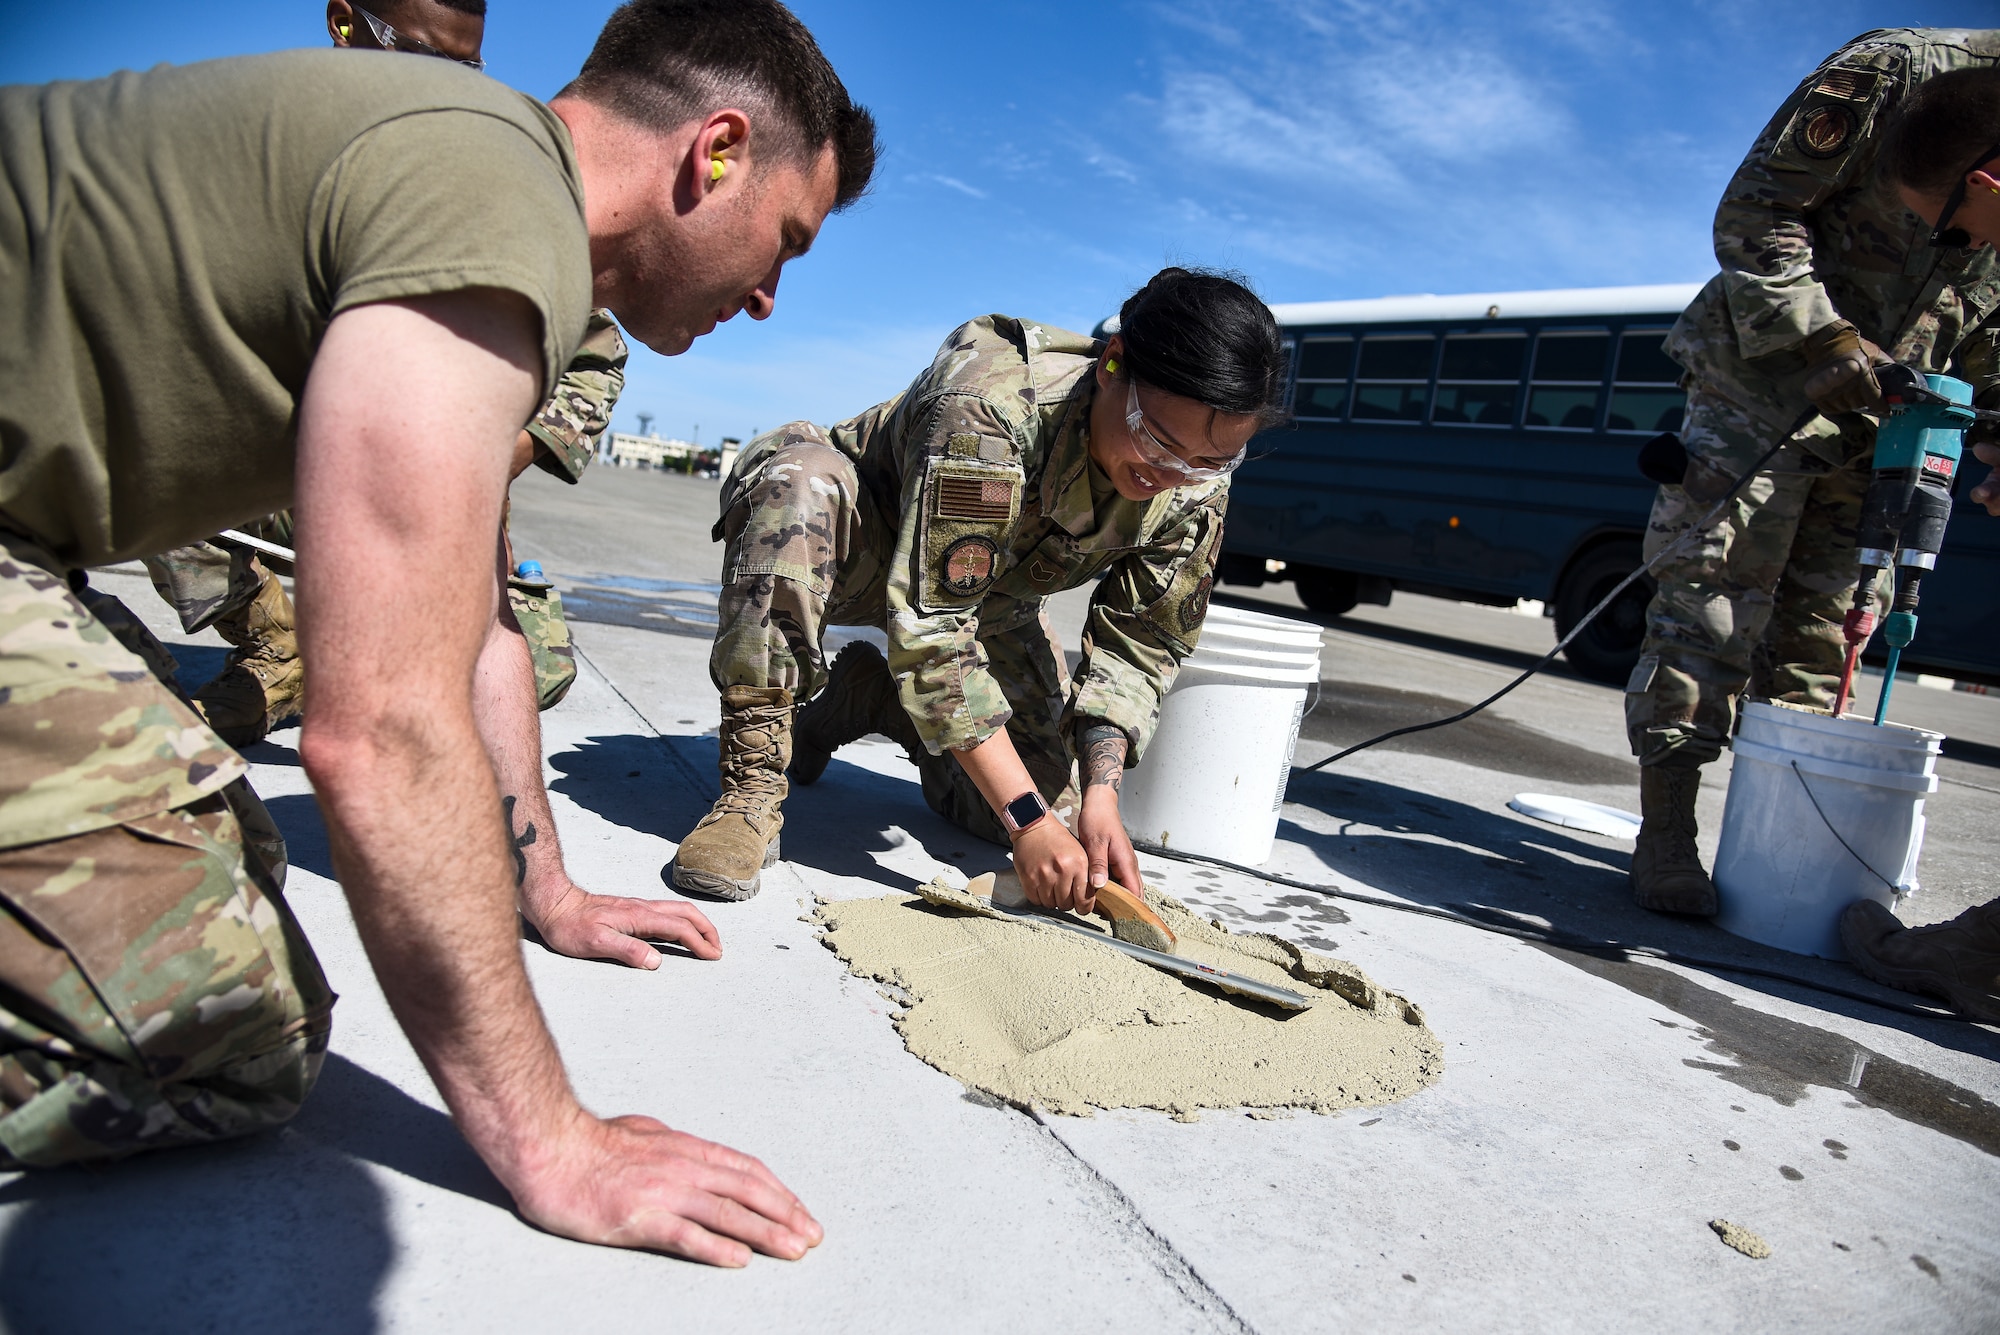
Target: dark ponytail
x=1205 y=336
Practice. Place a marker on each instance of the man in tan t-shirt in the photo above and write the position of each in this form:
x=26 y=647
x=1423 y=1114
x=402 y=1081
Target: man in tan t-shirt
x=351 y=281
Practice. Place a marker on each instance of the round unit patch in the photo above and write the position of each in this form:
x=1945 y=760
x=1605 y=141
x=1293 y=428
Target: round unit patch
x=1194 y=607
x=968 y=565
x=1824 y=131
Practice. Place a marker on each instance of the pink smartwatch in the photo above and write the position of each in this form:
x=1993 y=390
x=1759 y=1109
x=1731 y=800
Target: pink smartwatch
x=1026 y=810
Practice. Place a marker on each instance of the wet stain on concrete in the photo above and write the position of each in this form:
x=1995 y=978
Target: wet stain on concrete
x=1790 y=1174
x=1835 y=1149
x=1351 y=711
x=1925 y=1264
x=1731 y=1145
x=1782 y=1060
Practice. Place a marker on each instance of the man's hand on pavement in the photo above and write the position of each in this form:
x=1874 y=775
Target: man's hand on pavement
x=1054 y=870
x=1101 y=831
x=635 y=1182
x=585 y=926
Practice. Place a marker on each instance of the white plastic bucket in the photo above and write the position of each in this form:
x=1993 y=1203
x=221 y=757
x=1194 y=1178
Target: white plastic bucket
x=1822 y=811
x=1214 y=777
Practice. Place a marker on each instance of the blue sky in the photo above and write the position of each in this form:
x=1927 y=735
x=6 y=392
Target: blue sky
x=1045 y=158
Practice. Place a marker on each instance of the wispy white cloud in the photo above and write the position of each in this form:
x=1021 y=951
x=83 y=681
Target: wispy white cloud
x=952 y=182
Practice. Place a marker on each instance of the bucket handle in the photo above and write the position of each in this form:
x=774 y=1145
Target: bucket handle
x=1313 y=703
x=1894 y=889
x=1865 y=775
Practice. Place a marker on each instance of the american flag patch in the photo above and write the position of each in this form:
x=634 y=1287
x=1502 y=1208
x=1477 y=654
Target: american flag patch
x=975 y=498
x=1853 y=85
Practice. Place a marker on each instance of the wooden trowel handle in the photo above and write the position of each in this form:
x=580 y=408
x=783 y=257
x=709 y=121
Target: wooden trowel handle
x=1116 y=903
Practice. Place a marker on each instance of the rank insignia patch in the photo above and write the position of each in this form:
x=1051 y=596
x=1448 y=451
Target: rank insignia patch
x=968 y=565
x=1194 y=607
x=1824 y=131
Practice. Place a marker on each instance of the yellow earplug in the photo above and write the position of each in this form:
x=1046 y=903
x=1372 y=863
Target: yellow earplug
x=344 y=28
x=1110 y=366
x=715 y=169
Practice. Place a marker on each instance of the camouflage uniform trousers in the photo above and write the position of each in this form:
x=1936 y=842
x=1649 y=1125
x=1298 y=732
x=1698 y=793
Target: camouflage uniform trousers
x=207 y=582
x=155 y=989
x=1758 y=600
x=806 y=548
x=204 y=582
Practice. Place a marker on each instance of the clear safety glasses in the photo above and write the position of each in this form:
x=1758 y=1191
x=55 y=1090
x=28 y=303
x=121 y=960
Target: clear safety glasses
x=391 y=40
x=1157 y=456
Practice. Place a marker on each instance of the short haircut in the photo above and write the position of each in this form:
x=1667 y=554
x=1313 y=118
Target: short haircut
x=390 y=9
x=1204 y=335
x=1943 y=128
x=663 y=63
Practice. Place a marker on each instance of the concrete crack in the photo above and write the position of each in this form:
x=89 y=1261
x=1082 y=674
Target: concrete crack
x=674 y=757
x=1164 y=1257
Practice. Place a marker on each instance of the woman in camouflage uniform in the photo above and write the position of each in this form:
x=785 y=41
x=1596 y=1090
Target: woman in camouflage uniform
x=1026 y=460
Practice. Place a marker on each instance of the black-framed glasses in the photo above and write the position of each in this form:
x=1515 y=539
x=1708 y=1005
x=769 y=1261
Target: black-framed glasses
x=390 y=40
x=1944 y=235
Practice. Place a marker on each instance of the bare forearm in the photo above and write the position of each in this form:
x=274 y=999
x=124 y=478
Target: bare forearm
x=995 y=768
x=511 y=728
x=413 y=818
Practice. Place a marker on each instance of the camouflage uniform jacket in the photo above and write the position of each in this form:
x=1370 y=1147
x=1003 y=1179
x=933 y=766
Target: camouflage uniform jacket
x=568 y=425
x=1810 y=232
x=985 y=461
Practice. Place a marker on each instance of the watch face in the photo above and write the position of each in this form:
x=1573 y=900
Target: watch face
x=1026 y=809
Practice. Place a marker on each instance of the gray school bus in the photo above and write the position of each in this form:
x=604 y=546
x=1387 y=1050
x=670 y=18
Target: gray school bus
x=1483 y=447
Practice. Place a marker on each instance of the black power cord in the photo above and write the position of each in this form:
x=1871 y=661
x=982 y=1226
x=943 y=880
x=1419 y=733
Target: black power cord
x=1695 y=530
x=1583 y=945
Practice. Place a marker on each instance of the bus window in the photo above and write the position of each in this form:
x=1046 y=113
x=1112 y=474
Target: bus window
x=1393 y=382
x=1646 y=394
x=1324 y=364
x=1569 y=379
x=1479 y=379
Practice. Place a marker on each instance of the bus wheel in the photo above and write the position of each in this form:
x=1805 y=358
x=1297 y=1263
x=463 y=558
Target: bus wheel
x=1330 y=593
x=1608 y=646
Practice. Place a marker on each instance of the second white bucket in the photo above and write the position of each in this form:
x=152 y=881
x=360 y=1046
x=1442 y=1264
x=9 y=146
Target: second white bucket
x=1214 y=778
x=1822 y=811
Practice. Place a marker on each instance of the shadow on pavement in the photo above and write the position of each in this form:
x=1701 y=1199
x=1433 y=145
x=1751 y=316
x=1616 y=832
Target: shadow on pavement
x=662 y=785
x=287 y=1229
x=656 y=785
x=1446 y=854
x=1350 y=712
x=299 y=820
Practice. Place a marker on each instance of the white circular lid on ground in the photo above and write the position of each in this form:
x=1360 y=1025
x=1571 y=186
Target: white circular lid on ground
x=1576 y=814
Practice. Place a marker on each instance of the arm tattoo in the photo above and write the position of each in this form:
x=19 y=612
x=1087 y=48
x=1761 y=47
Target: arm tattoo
x=521 y=841
x=1103 y=748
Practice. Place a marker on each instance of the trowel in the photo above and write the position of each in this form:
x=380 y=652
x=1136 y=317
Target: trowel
x=1001 y=896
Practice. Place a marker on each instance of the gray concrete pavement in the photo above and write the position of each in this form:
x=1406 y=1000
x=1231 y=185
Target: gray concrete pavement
x=1593 y=1115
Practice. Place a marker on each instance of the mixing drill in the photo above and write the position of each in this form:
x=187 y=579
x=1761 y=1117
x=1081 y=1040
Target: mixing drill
x=1906 y=507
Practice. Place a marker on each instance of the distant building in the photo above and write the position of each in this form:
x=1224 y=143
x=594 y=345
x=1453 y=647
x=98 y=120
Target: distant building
x=651 y=452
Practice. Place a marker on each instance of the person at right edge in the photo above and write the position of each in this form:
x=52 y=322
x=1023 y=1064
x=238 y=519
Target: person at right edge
x=1943 y=156
x=1024 y=461
x=1826 y=275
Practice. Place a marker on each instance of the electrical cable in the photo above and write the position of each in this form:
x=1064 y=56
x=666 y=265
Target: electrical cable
x=1560 y=939
x=1695 y=530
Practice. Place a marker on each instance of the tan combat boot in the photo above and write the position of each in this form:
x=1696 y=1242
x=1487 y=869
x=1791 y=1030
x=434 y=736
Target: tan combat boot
x=1667 y=875
x=1957 y=960
x=725 y=855
x=264 y=681
x=859 y=698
